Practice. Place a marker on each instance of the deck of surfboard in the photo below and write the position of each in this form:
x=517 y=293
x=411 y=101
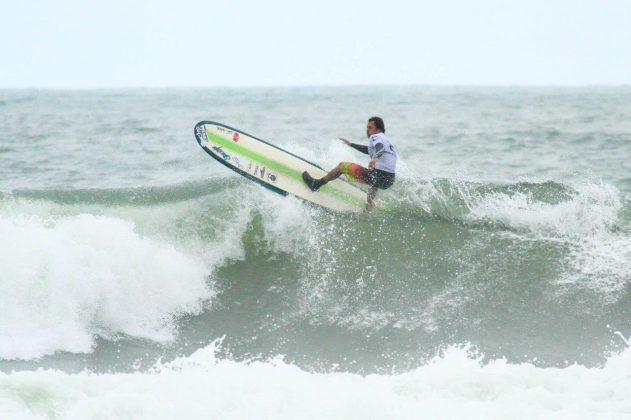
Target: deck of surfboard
x=275 y=168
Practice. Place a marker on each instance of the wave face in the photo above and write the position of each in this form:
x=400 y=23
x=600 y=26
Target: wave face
x=510 y=268
x=497 y=264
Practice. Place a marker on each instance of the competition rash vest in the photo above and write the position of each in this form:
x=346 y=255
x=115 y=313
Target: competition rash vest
x=379 y=145
x=388 y=160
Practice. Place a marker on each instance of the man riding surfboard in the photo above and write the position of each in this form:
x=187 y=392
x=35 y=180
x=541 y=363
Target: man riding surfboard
x=381 y=169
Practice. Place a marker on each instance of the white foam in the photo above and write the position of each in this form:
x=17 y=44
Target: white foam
x=598 y=254
x=65 y=281
x=592 y=211
x=454 y=385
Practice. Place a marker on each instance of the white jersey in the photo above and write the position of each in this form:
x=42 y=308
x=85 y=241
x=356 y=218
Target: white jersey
x=388 y=160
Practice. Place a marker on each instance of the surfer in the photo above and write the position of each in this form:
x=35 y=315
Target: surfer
x=381 y=168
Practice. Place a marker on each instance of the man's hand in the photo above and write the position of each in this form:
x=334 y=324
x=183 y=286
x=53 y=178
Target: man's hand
x=373 y=163
x=343 y=140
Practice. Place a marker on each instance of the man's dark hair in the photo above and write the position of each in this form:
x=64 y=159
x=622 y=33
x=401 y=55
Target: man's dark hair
x=378 y=123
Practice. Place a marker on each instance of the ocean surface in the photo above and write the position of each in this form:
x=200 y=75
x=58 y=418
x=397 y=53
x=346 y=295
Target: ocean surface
x=141 y=279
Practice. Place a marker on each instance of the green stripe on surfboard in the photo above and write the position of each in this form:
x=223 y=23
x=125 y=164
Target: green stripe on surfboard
x=277 y=166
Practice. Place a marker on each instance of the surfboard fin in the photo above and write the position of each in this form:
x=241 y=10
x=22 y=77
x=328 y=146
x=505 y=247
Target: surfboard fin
x=313 y=184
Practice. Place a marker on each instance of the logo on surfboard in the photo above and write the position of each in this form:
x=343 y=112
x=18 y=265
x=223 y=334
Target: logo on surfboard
x=237 y=162
x=200 y=131
x=235 y=137
x=261 y=172
x=221 y=153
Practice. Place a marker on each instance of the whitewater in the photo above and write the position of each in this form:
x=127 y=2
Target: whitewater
x=141 y=279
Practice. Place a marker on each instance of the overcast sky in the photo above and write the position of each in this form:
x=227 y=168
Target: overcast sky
x=159 y=43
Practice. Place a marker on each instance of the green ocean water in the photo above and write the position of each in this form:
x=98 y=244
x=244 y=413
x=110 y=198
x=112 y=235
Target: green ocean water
x=122 y=243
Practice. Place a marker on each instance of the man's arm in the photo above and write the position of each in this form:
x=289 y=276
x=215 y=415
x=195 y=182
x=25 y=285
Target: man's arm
x=363 y=149
x=378 y=152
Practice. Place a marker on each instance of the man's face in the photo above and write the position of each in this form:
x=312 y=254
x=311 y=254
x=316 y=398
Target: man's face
x=371 y=129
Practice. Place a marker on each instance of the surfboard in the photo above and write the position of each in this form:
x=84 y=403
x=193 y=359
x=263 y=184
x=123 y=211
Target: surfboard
x=275 y=168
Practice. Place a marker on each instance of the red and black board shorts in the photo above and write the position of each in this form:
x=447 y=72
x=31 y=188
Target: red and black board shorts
x=373 y=177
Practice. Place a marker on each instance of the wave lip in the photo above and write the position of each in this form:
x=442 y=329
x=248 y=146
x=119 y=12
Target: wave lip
x=588 y=210
x=64 y=282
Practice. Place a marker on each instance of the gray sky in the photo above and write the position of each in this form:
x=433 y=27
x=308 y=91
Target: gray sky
x=122 y=43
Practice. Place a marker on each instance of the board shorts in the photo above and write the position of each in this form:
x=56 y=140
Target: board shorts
x=373 y=177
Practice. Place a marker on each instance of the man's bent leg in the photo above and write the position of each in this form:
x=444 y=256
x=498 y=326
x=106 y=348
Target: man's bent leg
x=353 y=171
x=333 y=174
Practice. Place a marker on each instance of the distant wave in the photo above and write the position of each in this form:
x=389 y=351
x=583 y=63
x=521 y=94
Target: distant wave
x=142 y=196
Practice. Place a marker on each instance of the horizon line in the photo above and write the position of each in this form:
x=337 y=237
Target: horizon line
x=290 y=86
